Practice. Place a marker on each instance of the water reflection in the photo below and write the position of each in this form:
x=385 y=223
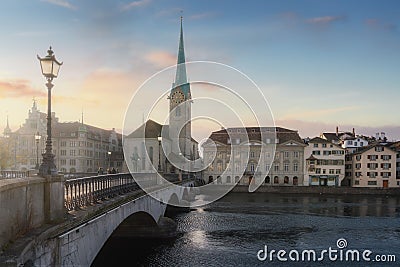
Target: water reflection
x=229 y=232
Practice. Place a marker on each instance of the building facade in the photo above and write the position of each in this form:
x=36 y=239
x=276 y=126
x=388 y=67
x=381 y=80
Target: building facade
x=240 y=155
x=374 y=166
x=78 y=147
x=324 y=164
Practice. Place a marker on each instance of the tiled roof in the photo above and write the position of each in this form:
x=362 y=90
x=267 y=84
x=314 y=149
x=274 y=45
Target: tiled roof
x=254 y=133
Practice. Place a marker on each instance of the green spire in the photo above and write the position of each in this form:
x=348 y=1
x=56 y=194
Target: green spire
x=181 y=68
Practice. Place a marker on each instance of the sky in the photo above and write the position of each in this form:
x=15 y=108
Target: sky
x=319 y=63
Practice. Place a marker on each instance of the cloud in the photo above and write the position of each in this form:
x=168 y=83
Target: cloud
x=316 y=113
x=380 y=25
x=161 y=59
x=18 y=88
x=135 y=4
x=203 y=15
x=62 y=3
x=325 y=20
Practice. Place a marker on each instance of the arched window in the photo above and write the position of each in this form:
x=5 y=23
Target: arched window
x=228 y=179
x=267 y=180
x=286 y=180
x=237 y=178
x=210 y=179
x=276 y=180
x=295 y=180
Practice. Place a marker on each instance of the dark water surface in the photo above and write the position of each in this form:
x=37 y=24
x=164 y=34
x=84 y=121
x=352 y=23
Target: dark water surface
x=231 y=231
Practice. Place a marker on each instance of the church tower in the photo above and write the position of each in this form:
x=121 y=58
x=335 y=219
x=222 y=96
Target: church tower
x=180 y=107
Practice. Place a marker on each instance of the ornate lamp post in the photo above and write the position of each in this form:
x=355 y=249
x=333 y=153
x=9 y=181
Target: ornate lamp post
x=109 y=159
x=159 y=138
x=37 y=139
x=50 y=68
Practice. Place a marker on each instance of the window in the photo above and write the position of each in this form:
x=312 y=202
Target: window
x=327 y=152
x=355 y=143
x=276 y=180
x=295 y=180
x=372 y=183
x=63 y=152
x=385 y=166
x=252 y=154
x=72 y=152
x=386 y=157
x=338 y=171
x=358 y=174
x=267 y=180
x=316 y=152
x=357 y=182
x=358 y=157
x=267 y=167
x=286 y=167
x=372 y=157
x=286 y=180
x=63 y=143
x=286 y=154
x=361 y=143
x=72 y=144
x=72 y=162
x=379 y=149
x=296 y=154
x=295 y=167
x=324 y=145
x=331 y=171
x=385 y=174
x=276 y=167
x=317 y=170
x=315 y=145
x=252 y=167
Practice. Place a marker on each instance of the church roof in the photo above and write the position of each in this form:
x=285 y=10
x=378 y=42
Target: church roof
x=181 y=77
x=150 y=129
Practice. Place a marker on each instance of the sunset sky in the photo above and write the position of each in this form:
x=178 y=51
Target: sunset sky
x=319 y=63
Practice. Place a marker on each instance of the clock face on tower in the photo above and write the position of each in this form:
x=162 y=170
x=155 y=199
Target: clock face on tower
x=177 y=97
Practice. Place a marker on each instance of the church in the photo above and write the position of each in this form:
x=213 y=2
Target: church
x=167 y=149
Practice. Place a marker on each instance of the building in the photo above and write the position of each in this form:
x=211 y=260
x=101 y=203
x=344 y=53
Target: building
x=78 y=147
x=348 y=140
x=238 y=155
x=396 y=147
x=175 y=152
x=324 y=164
x=374 y=166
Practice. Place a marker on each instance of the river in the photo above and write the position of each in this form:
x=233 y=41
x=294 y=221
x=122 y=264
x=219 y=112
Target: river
x=232 y=231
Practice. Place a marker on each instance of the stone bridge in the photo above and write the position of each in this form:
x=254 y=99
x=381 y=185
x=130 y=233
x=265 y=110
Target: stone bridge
x=94 y=209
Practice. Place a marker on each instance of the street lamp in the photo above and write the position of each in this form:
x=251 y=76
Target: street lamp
x=109 y=159
x=50 y=68
x=37 y=139
x=159 y=138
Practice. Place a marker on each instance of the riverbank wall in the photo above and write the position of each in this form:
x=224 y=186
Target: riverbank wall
x=318 y=190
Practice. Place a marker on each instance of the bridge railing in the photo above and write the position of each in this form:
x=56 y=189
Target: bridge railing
x=13 y=174
x=80 y=192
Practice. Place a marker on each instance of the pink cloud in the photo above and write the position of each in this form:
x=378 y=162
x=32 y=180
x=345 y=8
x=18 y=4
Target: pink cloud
x=161 y=58
x=18 y=88
x=325 y=20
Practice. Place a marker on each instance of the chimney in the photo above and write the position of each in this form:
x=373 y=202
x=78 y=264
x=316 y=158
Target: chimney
x=354 y=132
x=337 y=130
x=377 y=136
